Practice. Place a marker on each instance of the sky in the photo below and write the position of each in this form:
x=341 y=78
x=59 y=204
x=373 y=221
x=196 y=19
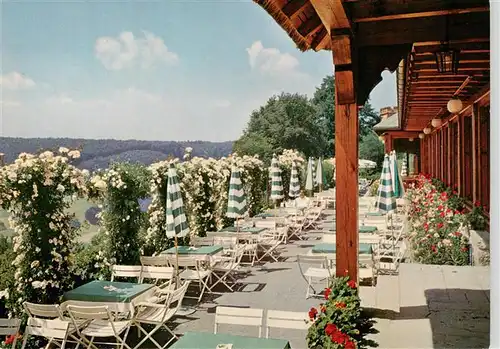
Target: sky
x=169 y=70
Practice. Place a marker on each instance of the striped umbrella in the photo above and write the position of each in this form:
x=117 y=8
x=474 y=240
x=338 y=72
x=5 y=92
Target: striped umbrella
x=294 y=182
x=319 y=174
x=397 y=182
x=314 y=173
x=309 y=176
x=404 y=168
x=276 y=182
x=386 y=200
x=237 y=201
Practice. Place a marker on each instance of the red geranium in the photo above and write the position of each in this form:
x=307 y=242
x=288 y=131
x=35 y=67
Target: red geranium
x=10 y=339
x=339 y=337
x=464 y=249
x=327 y=292
x=340 y=305
x=350 y=345
x=330 y=329
x=477 y=204
x=351 y=284
x=313 y=312
x=440 y=225
x=434 y=249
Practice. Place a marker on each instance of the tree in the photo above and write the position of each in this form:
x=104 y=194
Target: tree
x=286 y=121
x=371 y=148
x=324 y=100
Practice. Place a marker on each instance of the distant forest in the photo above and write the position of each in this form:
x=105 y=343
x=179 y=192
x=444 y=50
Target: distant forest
x=99 y=153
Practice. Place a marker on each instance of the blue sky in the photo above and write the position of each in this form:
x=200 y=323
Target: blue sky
x=148 y=70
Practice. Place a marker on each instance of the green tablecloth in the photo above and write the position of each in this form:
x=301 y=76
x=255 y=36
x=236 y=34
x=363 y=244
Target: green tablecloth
x=362 y=229
x=202 y=340
x=187 y=250
x=374 y=214
x=332 y=248
x=252 y=230
x=94 y=291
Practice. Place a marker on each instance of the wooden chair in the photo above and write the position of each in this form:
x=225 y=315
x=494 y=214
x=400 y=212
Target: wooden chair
x=286 y=319
x=239 y=316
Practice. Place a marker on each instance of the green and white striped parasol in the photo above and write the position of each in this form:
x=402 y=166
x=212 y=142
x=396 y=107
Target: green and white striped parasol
x=319 y=174
x=237 y=200
x=176 y=222
x=309 y=176
x=404 y=168
x=397 y=182
x=276 y=182
x=314 y=173
x=386 y=201
x=294 y=182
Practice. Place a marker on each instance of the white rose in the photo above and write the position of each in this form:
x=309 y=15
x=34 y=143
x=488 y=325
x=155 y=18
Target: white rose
x=63 y=150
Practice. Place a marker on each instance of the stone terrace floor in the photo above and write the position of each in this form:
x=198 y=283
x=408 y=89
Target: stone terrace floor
x=439 y=306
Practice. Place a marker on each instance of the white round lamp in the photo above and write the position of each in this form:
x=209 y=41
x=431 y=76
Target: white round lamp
x=454 y=105
x=427 y=130
x=421 y=136
x=436 y=122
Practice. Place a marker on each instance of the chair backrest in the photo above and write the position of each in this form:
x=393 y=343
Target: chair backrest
x=183 y=261
x=286 y=319
x=198 y=241
x=89 y=312
x=226 y=241
x=9 y=327
x=47 y=328
x=159 y=261
x=317 y=261
x=126 y=271
x=45 y=311
x=239 y=316
x=265 y=223
x=157 y=273
x=178 y=295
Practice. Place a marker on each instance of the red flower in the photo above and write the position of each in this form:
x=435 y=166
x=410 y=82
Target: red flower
x=477 y=204
x=323 y=309
x=339 y=337
x=349 y=345
x=457 y=234
x=330 y=329
x=456 y=212
x=340 y=305
x=455 y=192
x=464 y=249
x=434 y=248
x=426 y=226
x=351 y=284
x=440 y=225
x=10 y=339
x=313 y=312
x=440 y=207
x=327 y=292
x=442 y=214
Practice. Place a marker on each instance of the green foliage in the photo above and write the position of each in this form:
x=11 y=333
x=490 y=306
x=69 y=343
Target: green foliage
x=340 y=322
x=374 y=188
x=7 y=271
x=370 y=148
x=328 y=171
x=368 y=118
x=286 y=121
x=477 y=218
x=88 y=261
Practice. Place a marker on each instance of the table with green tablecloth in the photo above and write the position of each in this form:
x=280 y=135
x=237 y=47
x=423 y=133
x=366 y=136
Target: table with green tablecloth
x=197 y=251
x=332 y=248
x=202 y=340
x=362 y=229
x=251 y=230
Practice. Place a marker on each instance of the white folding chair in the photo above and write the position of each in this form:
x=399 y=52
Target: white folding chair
x=388 y=263
x=318 y=268
x=286 y=319
x=158 y=313
x=156 y=261
x=165 y=274
x=102 y=325
x=271 y=242
x=312 y=217
x=126 y=271
x=250 y=246
x=239 y=316
x=227 y=242
x=226 y=266
x=10 y=327
x=192 y=270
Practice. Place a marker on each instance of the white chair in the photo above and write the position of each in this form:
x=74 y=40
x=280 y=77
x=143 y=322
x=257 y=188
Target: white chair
x=165 y=274
x=198 y=241
x=271 y=242
x=239 y=316
x=226 y=266
x=312 y=217
x=102 y=325
x=48 y=321
x=10 y=327
x=388 y=262
x=266 y=224
x=318 y=268
x=250 y=245
x=227 y=242
x=158 y=313
x=192 y=270
x=156 y=261
x=126 y=271
x=286 y=319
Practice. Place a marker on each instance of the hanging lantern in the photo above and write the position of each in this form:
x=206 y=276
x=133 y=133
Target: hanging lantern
x=454 y=105
x=427 y=130
x=421 y=135
x=436 y=122
x=411 y=139
x=447 y=59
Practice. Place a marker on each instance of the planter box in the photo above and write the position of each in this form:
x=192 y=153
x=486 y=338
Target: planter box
x=480 y=244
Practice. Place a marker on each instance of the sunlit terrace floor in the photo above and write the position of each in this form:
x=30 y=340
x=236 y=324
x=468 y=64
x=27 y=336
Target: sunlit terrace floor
x=424 y=307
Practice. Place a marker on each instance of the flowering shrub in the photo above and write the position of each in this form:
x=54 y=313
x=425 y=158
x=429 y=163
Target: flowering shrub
x=436 y=227
x=340 y=322
x=7 y=271
x=9 y=341
x=477 y=218
x=119 y=189
x=37 y=190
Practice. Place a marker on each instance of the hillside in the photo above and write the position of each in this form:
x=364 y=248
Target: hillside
x=98 y=153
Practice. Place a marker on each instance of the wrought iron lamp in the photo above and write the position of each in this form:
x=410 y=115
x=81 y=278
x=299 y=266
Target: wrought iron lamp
x=447 y=59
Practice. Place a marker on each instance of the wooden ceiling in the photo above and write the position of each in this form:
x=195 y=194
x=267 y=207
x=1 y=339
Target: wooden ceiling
x=386 y=31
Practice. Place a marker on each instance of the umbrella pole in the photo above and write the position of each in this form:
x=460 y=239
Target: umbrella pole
x=176 y=262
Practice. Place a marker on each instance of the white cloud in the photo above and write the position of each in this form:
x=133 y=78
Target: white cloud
x=270 y=60
x=9 y=103
x=222 y=103
x=127 y=51
x=16 y=81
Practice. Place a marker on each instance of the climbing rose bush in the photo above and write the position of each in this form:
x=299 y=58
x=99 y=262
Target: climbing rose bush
x=340 y=322
x=436 y=227
x=37 y=191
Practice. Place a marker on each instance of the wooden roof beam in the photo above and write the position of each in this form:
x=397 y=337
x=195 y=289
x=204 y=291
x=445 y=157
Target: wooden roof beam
x=332 y=14
x=293 y=7
x=309 y=26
